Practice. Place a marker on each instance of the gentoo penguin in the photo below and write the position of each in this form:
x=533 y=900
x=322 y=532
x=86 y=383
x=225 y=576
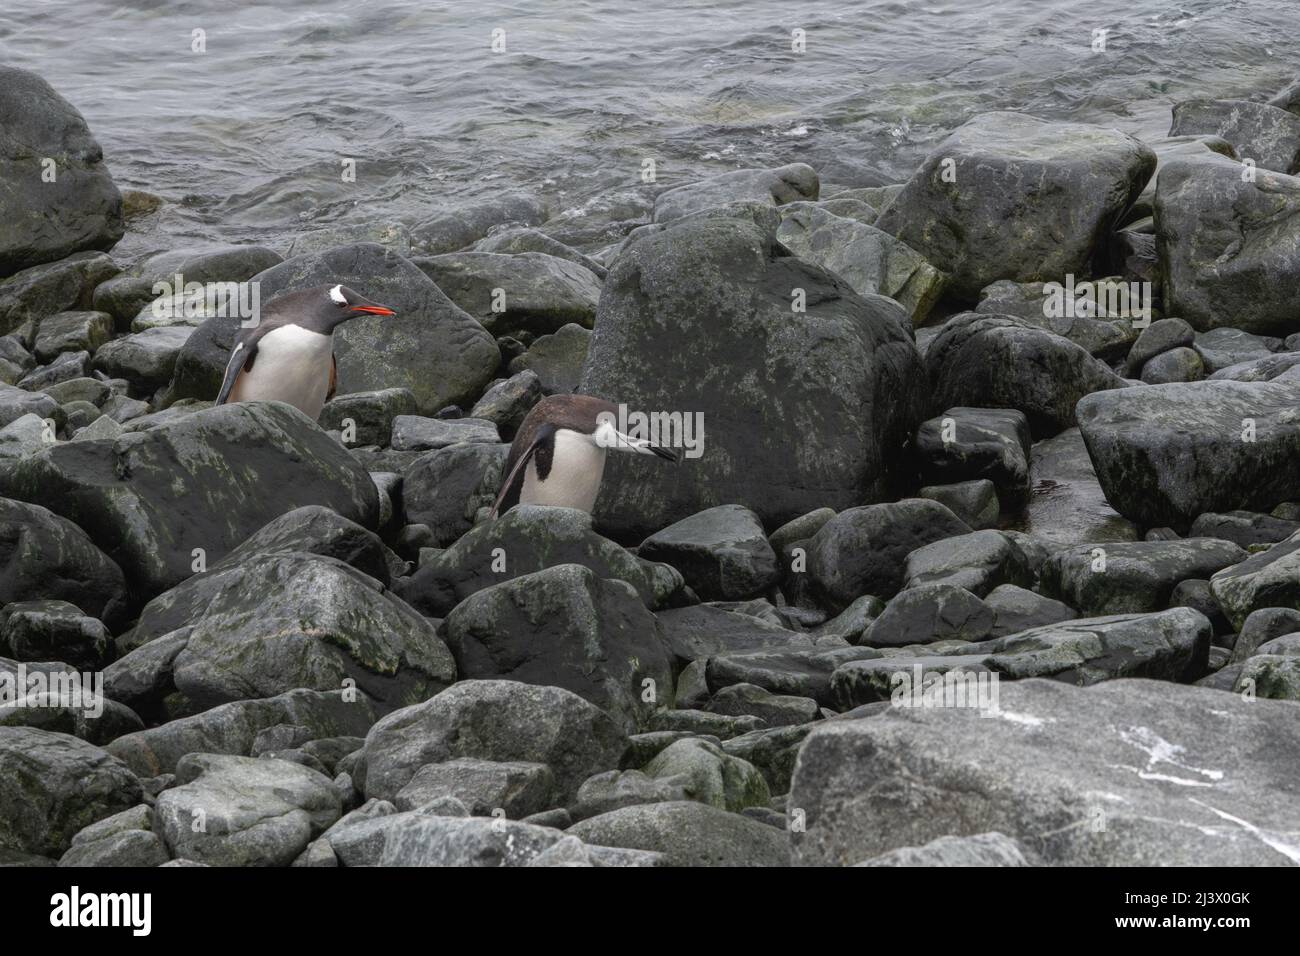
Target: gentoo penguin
x=289 y=355
x=558 y=455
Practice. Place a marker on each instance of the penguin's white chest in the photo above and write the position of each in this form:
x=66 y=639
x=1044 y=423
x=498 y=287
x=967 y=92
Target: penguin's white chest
x=574 y=479
x=292 y=365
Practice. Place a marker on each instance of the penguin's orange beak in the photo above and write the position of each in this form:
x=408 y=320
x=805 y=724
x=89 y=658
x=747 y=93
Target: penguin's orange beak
x=373 y=309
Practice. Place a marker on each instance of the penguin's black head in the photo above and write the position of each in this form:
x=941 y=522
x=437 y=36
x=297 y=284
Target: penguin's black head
x=333 y=305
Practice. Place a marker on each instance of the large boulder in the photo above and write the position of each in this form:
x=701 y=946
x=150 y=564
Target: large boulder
x=49 y=212
x=802 y=409
x=1229 y=245
x=566 y=627
x=1259 y=132
x=38 y=292
x=492 y=720
x=53 y=785
x=1128 y=773
x=525 y=539
x=207 y=480
x=1270 y=579
x=998 y=361
x=45 y=556
x=1008 y=196
x=215 y=268
x=430 y=346
x=1150 y=447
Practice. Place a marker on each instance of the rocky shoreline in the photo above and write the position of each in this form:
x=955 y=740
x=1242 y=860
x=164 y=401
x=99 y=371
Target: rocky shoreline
x=991 y=553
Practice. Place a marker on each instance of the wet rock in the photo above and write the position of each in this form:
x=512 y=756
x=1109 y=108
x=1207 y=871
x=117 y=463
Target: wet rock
x=1223 y=348
x=615 y=789
x=45 y=290
x=210 y=272
x=973 y=443
x=1006 y=197
x=1043 y=778
x=566 y=627
x=978 y=562
x=723 y=553
x=256 y=812
x=1243 y=528
x=1134 y=576
x=1003 y=362
x=557 y=359
x=1261 y=627
x=458 y=228
x=871 y=261
x=776 y=187
x=693 y=633
x=46 y=557
x=688 y=834
x=1257 y=131
x=974 y=502
x=1098 y=315
x=702 y=723
x=492 y=720
x=799 y=672
x=509 y=294
x=72 y=332
x=145 y=359
x=517 y=239
x=51 y=630
x=1016 y=609
x=53 y=785
x=861 y=550
x=1149 y=446
x=47 y=220
x=1268 y=579
x=928 y=613
x=803 y=409
x=531 y=538
x=207 y=480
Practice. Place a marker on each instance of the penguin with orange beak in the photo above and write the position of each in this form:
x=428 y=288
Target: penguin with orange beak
x=289 y=355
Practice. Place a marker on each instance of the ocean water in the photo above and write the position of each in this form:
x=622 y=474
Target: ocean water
x=247 y=138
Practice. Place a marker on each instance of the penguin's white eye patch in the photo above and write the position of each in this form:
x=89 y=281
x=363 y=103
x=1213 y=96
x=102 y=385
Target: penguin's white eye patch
x=337 y=295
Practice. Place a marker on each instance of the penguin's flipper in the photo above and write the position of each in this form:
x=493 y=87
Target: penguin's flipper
x=241 y=359
x=334 y=378
x=513 y=486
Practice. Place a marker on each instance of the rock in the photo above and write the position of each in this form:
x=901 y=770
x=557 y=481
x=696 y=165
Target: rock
x=557 y=359
x=1227 y=247
x=531 y=538
x=509 y=401
x=517 y=239
x=1176 y=365
x=492 y=720
x=1124 y=774
x=853 y=620
x=17 y=402
x=688 y=834
x=1007 y=196
x=861 y=550
x=974 y=502
x=530 y=292
x=46 y=219
x=928 y=613
x=456 y=229
x=67 y=366
x=711 y=775
x=90 y=390
x=234 y=728
x=484 y=786
x=775 y=710
x=430 y=347
x=1003 y=362
x=805 y=409
x=371 y=414
x=978 y=562
x=1243 y=528
x=209 y=480
x=701 y=723
x=1223 y=348
x=41 y=291
x=1149 y=446
x=982 y=849
x=72 y=332
x=296 y=620
x=1098 y=316
x=694 y=633
x=46 y=557
x=775 y=187
x=414 y=433
x=210 y=276
x=1262 y=369
x=1134 y=576
x=124 y=839
x=51 y=630
x=723 y=553
x=1268 y=676
x=973 y=443
x=799 y=672
x=1163 y=335
x=566 y=627
x=1016 y=609
x=1269 y=579
x=53 y=785
x=1258 y=132
x=615 y=789
x=1170 y=645
x=1261 y=627
x=145 y=359
x=445 y=489
x=871 y=261
x=256 y=812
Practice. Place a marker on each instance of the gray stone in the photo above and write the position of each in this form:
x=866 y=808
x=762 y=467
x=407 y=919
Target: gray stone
x=1176 y=365
x=556 y=358
x=776 y=187
x=516 y=787
x=72 y=332
x=507 y=402
x=974 y=443
x=710 y=775
x=371 y=413
x=974 y=502
x=981 y=849
x=722 y=553
x=458 y=228
x=1259 y=132
x=415 y=433
x=1267 y=579
x=688 y=834
x=445 y=489
x=928 y=613
x=1016 y=609
x=978 y=562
